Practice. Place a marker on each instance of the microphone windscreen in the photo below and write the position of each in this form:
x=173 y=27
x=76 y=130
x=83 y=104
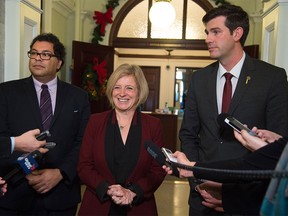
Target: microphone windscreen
x=155 y=152
x=221 y=120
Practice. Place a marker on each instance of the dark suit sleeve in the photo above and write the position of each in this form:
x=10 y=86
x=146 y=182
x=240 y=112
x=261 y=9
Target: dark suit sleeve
x=264 y=158
x=190 y=125
x=277 y=103
x=70 y=158
x=5 y=147
x=243 y=199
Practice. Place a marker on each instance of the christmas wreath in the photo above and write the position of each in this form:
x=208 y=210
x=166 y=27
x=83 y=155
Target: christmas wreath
x=94 y=79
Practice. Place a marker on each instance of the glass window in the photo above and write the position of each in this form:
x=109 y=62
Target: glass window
x=135 y=24
x=194 y=26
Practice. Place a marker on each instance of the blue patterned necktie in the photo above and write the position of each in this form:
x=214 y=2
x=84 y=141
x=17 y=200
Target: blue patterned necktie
x=45 y=107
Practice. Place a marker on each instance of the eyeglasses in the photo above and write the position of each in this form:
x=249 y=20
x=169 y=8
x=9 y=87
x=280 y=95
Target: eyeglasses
x=43 y=55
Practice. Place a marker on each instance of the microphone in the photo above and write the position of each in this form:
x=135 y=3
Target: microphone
x=26 y=163
x=232 y=175
x=155 y=152
x=225 y=120
x=158 y=155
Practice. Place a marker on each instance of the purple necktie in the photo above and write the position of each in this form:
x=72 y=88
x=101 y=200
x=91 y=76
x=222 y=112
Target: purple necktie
x=45 y=107
x=227 y=93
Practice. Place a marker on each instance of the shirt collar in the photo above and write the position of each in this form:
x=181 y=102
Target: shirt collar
x=235 y=71
x=51 y=84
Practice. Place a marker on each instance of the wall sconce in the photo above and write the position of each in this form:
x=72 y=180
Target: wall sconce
x=162 y=14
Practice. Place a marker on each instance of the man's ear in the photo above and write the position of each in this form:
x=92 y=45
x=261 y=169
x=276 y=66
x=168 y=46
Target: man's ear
x=238 y=33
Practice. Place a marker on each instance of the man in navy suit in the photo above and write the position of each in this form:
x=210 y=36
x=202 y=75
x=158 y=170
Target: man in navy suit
x=259 y=96
x=54 y=188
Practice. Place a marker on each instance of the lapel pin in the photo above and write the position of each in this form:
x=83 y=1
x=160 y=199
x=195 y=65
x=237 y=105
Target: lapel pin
x=247 y=79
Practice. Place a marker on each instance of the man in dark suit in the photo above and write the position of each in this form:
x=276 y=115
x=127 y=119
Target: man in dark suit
x=259 y=95
x=54 y=188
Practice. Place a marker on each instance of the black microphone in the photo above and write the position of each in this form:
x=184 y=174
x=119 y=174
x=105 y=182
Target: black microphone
x=155 y=152
x=43 y=135
x=158 y=155
x=25 y=163
x=225 y=121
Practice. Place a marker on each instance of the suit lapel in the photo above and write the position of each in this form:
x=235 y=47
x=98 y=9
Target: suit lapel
x=243 y=84
x=60 y=100
x=32 y=100
x=211 y=89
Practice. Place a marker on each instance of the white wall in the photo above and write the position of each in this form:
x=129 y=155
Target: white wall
x=22 y=23
x=275 y=33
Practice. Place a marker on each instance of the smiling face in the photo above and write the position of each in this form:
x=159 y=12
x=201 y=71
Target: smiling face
x=125 y=94
x=44 y=70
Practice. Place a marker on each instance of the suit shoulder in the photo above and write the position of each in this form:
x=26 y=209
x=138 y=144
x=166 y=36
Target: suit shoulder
x=73 y=88
x=13 y=83
x=209 y=68
x=265 y=66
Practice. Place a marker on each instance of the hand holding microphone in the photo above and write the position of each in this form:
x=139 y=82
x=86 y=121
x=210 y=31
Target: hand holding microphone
x=27 y=142
x=181 y=159
x=187 y=167
x=27 y=163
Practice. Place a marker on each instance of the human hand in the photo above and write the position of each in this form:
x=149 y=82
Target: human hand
x=3 y=187
x=182 y=159
x=27 y=142
x=267 y=135
x=120 y=195
x=211 y=192
x=44 y=180
x=250 y=142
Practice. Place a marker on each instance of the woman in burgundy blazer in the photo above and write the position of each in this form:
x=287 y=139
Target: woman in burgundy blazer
x=119 y=174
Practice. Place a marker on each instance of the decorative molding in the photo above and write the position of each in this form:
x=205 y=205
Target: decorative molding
x=256 y=16
x=30 y=5
x=64 y=7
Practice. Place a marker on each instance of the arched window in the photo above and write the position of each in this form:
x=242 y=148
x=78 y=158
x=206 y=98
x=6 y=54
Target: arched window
x=132 y=29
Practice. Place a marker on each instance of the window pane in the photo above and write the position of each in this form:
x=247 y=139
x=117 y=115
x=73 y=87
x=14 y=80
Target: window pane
x=135 y=24
x=194 y=25
x=175 y=30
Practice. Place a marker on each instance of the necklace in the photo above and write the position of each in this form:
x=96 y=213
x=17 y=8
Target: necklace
x=122 y=127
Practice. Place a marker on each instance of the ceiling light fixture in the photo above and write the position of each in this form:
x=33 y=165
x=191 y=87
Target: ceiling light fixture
x=162 y=14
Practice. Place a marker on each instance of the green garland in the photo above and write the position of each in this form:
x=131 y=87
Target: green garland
x=102 y=19
x=98 y=32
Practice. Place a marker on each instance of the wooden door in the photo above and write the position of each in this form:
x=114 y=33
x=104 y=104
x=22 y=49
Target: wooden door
x=84 y=53
x=152 y=75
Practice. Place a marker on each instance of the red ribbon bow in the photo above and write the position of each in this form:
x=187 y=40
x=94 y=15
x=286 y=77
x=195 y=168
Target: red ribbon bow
x=103 y=18
x=100 y=70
